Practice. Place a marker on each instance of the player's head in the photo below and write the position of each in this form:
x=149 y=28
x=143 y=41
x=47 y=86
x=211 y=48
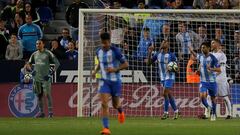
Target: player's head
x=105 y=40
x=164 y=44
x=146 y=31
x=40 y=44
x=205 y=47
x=215 y=44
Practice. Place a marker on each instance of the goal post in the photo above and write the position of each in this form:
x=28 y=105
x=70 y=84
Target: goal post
x=141 y=86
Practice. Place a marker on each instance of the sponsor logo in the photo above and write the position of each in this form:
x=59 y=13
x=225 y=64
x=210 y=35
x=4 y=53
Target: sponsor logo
x=128 y=76
x=22 y=102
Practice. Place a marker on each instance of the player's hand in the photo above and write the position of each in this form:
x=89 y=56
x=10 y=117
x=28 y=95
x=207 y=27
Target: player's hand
x=150 y=49
x=33 y=73
x=111 y=70
x=47 y=77
x=93 y=75
x=209 y=68
x=26 y=80
x=197 y=72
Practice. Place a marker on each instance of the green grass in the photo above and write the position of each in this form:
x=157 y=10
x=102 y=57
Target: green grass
x=133 y=126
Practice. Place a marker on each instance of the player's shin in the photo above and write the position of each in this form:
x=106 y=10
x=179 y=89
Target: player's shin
x=49 y=97
x=228 y=105
x=40 y=103
x=172 y=103
x=166 y=104
x=214 y=107
x=105 y=120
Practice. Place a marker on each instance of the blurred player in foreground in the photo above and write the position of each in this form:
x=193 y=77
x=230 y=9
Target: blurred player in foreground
x=208 y=68
x=163 y=57
x=111 y=61
x=42 y=75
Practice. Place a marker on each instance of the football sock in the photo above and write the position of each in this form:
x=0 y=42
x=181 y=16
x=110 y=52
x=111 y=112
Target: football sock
x=105 y=122
x=166 y=104
x=228 y=105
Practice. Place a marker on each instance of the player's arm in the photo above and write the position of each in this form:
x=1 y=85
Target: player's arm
x=192 y=51
x=21 y=77
x=96 y=68
x=54 y=60
x=121 y=67
x=174 y=59
x=121 y=58
x=151 y=59
x=215 y=67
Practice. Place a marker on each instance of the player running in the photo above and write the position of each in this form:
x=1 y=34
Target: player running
x=163 y=57
x=208 y=68
x=42 y=73
x=111 y=61
x=222 y=83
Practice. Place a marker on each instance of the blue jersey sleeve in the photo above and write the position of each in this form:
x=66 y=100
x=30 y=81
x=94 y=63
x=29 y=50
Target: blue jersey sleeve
x=154 y=58
x=119 y=55
x=214 y=62
x=21 y=77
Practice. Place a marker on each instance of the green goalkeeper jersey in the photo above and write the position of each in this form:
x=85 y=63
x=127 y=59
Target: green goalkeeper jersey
x=42 y=61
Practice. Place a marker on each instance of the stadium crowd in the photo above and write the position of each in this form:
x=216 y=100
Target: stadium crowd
x=22 y=23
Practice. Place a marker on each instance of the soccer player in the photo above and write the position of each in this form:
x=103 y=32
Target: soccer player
x=42 y=73
x=222 y=83
x=163 y=57
x=208 y=68
x=111 y=61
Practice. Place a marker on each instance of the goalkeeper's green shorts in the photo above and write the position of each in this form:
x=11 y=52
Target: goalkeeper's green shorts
x=42 y=86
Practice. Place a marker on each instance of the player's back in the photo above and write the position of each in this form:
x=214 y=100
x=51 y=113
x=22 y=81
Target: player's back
x=222 y=61
x=205 y=61
x=110 y=58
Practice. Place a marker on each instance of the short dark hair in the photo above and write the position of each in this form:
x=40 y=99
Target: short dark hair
x=146 y=29
x=207 y=44
x=105 y=36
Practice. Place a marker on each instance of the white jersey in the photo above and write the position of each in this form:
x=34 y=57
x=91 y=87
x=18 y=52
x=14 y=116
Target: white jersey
x=222 y=61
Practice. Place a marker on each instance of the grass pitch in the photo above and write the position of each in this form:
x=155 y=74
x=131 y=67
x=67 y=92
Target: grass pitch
x=132 y=126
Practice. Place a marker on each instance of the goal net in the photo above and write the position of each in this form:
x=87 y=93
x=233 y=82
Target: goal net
x=133 y=31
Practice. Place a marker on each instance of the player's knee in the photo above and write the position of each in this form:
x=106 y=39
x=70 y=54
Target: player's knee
x=104 y=105
x=115 y=105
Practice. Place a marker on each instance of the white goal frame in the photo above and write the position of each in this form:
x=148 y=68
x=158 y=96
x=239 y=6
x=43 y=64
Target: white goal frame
x=159 y=11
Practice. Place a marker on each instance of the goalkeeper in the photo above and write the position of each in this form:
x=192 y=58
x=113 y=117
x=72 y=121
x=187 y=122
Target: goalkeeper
x=42 y=73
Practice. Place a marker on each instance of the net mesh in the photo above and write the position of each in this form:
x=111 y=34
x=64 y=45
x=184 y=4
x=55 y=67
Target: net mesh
x=142 y=91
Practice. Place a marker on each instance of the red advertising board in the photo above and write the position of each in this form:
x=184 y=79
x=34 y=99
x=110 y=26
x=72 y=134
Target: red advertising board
x=137 y=100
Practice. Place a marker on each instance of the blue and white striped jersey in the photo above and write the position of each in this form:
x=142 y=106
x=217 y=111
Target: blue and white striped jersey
x=110 y=58
x=163 y=59
x=205 y=74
